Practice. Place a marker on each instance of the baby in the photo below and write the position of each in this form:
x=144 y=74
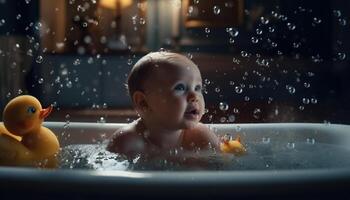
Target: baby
x=166 y=90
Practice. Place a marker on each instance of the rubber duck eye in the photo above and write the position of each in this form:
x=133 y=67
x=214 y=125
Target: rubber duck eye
x=31 y=109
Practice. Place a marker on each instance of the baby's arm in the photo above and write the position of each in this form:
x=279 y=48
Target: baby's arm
x=200 y=137
x=126 y=142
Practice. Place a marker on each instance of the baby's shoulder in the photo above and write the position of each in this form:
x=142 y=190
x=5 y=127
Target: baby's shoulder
x=126 y=140
x=200 y=136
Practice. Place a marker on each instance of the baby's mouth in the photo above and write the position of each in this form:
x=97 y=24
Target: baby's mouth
x=192 y=113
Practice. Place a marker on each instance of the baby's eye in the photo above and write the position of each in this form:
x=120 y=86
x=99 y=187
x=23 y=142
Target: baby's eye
x=31 y=110
x=198 y=88
x=180 y=88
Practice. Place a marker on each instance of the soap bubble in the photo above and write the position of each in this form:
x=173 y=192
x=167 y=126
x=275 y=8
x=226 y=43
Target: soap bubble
x=76 y=62
x=232 y=31
x=39 y=59
x=223 y=106
x=207 y=30
x=238 y=89
x=306 y=100
x=257 y=113
x=231 y=118
x=342 y=22
x=264 y=20
x=216 y=10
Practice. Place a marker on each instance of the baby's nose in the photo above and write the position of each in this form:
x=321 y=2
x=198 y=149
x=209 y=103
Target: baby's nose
x=192 y=97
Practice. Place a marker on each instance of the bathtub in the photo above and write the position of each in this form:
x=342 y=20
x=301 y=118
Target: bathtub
x=17 y=182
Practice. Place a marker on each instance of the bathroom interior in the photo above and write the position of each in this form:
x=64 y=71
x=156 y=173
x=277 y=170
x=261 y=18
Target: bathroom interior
x=275 y=62
x=262 y=62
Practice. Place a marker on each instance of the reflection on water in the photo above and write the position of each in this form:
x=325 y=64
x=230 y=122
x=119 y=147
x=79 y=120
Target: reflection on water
x=261 y=156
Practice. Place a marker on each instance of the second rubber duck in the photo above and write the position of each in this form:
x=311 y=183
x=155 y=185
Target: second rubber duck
x=23 y=139
x=233 y=146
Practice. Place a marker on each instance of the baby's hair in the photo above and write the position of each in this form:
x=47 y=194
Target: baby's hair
x=143 y=68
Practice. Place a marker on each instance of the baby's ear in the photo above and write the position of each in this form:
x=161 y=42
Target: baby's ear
x=139 y=100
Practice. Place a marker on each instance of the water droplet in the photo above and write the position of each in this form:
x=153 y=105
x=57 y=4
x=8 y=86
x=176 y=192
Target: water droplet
x=271 y=29
x=67 y=116
x=231 y=41
x=217 y=89
x=244 y=54
x=266 y=140
x=246 y=98
x=190 y=56
x=341 y=56
x=290 y=89
x=90 y=60
x=301 y=107
x=255 y=40
x=290 y=145
x=222 y=119
x=2 y=22
x=206 y=81
x=296 y=45
x=238 y=89
x=102 y=120
x=342 y=22
x=310 y=74
x=235 y=110
x=232 y=31
x=259 y=31
x=257 y=113
x=313 y=100
x=87 y=39
x=307 y=85
x=190 y=9
x=316 y=20
x=129 y=62
x=238 y=128
x=69 y=84
x=30 y=52
x=19 y=91
x=196 y=1
x=306 y=100
x=207 y=30
x=264 y=20
x=76 y=62
x=274 y=44
x=291 y=26
x=41 y=80
x=223 y=106
x=337 y=13
x=142 y=21
x=231 y=118
x=310 y=140
x=216 y=10
x=39 y=59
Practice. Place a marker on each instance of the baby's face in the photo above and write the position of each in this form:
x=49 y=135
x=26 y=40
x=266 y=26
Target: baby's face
x=174 y=96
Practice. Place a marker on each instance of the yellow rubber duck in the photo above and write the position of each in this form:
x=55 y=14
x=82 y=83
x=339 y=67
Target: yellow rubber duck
x=23 y=139
x=233 y=146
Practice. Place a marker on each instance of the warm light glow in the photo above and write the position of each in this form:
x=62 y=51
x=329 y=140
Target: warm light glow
x=112 y=4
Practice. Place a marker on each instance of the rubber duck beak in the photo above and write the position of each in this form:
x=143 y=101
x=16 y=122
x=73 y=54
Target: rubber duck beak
x=45 y=112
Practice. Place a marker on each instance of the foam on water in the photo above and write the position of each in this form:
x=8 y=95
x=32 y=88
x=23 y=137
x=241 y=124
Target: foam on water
x=261 y=156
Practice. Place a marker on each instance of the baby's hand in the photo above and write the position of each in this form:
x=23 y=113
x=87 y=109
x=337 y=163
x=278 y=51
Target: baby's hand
x=232 y=146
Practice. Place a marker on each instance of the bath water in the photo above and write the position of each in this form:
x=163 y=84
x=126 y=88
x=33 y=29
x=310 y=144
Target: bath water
x=260 y=156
